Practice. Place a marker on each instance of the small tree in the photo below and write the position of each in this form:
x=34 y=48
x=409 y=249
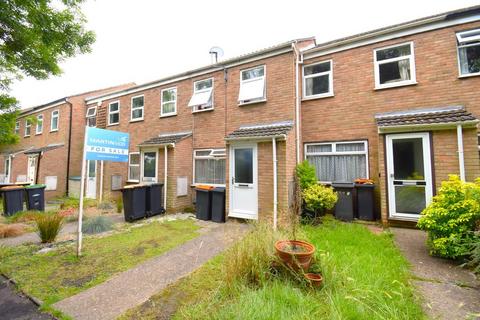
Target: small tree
x=306 y=174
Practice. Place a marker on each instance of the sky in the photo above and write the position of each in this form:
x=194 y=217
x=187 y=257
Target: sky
x=144 y=40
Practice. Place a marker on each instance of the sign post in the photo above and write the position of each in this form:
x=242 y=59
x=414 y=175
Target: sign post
x=103 y=145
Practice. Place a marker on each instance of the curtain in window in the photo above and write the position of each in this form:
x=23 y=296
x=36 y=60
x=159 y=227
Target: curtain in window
x=339 y=167
x=211 y=171
x=462 y=55
x=404 y=69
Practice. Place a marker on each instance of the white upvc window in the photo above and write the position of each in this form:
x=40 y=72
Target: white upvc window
x=137 y=107
x=28 y=127
x=149 y=165
x=17 y=127
x=134 y=167
x=91 y=116
x=338 y=161
x=468 y=43
x=54 y=120
x=202 y=98
x=6 y=170
x=252 y=85
x=394 y=66
x=318 y=80
x=209 y=167
x=113 y=113
x=39 y=127
x=169 y=102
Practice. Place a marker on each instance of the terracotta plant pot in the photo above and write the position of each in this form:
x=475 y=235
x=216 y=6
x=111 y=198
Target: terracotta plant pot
x=315 y=279
x=295 y=253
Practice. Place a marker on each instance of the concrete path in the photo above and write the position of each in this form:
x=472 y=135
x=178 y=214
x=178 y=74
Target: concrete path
x=133 y=287
x=14 y=306
x=32 y=237
x=449 y=292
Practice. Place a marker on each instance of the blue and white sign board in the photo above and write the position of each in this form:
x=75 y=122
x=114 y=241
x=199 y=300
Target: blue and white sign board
x=107 y=145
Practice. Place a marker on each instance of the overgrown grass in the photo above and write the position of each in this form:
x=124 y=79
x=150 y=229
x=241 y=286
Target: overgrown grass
x=58 y=274
x=97 y=225
x=12 y=230
x=49 y=226
x=366 y=277
x=67 y=202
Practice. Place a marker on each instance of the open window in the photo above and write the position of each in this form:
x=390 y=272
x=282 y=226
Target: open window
x=209 y=166
x=91 y=116
x=468 y=43
x=252 y=85
x=394 y=66
x=202 y=98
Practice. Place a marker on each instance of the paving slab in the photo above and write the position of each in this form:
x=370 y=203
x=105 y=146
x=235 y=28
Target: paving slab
x=133 y=287
x=449 y=291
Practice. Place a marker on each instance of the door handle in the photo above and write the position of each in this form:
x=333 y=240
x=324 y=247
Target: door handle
x=392 y=175
x=233 y=180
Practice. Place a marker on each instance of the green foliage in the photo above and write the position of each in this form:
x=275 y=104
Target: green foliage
x=49 y=226
x=451 y=217
x=306 y=174
x=24 y=216
x=319 y=198
x=97 y=224
x=119 y=205
x=104 y=206
x=35 y=36
x=75 y=202
x=472 y=251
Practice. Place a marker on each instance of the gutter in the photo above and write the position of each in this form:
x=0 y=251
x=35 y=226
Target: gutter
x=257 y=138
x=431 y=126
x=69 y=146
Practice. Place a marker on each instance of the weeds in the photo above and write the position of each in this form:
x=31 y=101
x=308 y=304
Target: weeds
x=97 y=225
x=119 y=204
x=11 y=230
x=49 y=226
x=26 y=216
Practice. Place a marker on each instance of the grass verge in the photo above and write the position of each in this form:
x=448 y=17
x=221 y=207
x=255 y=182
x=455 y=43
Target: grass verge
x=58 y=274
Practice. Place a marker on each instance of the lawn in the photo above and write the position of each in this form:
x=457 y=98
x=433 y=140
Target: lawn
x=366 y=277
x=59 y=274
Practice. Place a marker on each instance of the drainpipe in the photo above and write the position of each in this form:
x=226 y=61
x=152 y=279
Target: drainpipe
x=10 y=159
x=69 y=145
x=461 y=161
x=37 y=170
x=298 y=62
x=275 y=200
x=165 y=181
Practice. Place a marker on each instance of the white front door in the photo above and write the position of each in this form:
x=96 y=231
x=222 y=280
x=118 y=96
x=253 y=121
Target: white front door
x=91 y=191
x=409 y=173
x=32 y=169
x=243 y=181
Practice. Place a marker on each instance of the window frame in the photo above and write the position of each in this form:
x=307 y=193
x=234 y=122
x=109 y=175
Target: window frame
x=334 y=152
x=115 y=112
x=142 y=167
x=132 y=109
x=168 y=114
x=330 y=92
x=53 y=116
x=204 y=90
x=411 y=57
x=210 y=156
x=465 y=44
x=28 y=125
x=134 y=165
x=90 y=116
x=39 y=121
x=17 y=127
x=256 y=100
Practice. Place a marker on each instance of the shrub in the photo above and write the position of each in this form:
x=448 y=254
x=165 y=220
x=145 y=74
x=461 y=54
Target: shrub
x=97 y=225
x=319 y=198
x=119 y=204
x=472 y=252
x=49 y=225
x=105 y=206
x=451 y=217
x=306 y=174
x=11 y=230
x=26 y=216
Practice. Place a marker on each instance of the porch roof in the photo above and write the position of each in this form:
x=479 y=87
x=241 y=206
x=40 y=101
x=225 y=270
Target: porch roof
x=44 y=149
x=449 y=115
x=165 y=138
x=258 y=131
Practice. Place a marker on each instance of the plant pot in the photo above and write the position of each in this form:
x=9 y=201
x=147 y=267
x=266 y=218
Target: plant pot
x=315 y=279
x=301 y=257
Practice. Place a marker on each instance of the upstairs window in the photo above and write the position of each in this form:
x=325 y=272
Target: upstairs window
x=113 y=113
x=318 y=80
x=39 y=128
x=137 y=108
x=202 y=99
x=469 y=52
x=338 y=161
x=91 y=116
x=169 y=102
x=252 y=85
x=394 y=66
x=209 y=166
x=54 y=120
x=17 y=127
x=28 y=128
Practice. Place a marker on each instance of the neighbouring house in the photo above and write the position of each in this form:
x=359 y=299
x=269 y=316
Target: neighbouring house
x=50 y=147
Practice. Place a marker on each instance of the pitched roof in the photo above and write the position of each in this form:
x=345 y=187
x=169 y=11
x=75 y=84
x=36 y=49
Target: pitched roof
x=450 y=114
x=166 y=138
x=44 y=149
x=268 y=130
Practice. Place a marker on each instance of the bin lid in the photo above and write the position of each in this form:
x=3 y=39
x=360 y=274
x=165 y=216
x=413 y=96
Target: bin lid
x=219 y=189
x=204 y=187
x=341 y=184
x=11 y=188
x=35 y=186
x=364 y=185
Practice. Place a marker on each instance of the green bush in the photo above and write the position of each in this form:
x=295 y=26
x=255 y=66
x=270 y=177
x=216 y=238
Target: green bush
x=319 y=198
x=97 y=225
x=49 y=225
x=306 y=174
x=451 y=217
x=472 y=252
x=119 y=204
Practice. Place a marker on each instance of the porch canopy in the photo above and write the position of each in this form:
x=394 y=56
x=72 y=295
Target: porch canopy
x=165 y=139
x=261 y=131
x=49 y=147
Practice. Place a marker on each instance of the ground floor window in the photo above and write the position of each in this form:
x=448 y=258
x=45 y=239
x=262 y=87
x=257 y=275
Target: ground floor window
x=209 y=166
x=134 y=167
x=149 y=166
x=338 y=161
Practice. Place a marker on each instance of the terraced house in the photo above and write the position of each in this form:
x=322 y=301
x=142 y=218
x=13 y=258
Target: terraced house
x=398 y=105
